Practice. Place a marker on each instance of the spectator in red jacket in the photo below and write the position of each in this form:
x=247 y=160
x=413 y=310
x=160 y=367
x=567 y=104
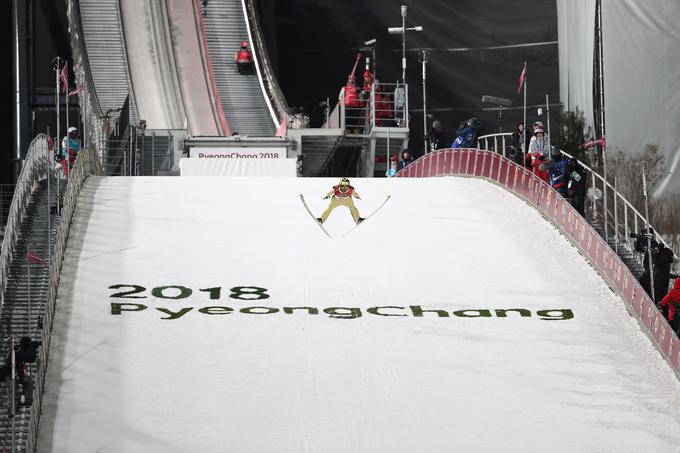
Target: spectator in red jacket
x=538 y=154
x=244 y=60
x=671 y=305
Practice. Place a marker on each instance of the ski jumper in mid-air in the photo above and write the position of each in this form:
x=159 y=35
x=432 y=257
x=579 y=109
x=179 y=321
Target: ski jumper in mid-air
x=341 y=195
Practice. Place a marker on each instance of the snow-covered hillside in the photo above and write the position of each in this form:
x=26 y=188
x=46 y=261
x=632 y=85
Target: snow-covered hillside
x=213 y=315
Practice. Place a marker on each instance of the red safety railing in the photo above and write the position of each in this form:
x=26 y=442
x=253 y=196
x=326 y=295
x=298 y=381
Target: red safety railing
x=557 y=210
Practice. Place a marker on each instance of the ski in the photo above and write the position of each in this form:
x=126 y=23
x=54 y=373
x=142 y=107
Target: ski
x=304 y=203
x=368 y=216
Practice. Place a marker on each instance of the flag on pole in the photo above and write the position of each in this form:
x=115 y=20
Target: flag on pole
x=602 y=142
x=522 y=76
x=76 y=91
x=34 y=259
x=63 y=76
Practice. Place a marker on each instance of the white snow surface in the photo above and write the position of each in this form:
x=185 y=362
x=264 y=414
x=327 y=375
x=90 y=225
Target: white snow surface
x=279 y=382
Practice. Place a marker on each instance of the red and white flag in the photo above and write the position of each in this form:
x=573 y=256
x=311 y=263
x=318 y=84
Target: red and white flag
x=76 y=91
x=34 y=259
x=602 y=142
x=63 y=76
x=522 y=76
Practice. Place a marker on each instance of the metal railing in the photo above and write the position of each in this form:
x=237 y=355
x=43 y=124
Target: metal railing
x=503 y=139
x=389 y=105
x=90 y=109
x=156 y=151
x=6 y=194
x=621 y=217
x=271 y=85
x=121 y=158
x=87 y=164
x=37 y=167
x=386 y=105
x=490 y=166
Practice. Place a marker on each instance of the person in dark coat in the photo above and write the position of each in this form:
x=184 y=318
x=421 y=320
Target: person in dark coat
x=406 y=159
x=435 y=137
x=662 y=260
x=26 y=352
x=516 y=147
x=641 y=247
x=576 y=185
x=557 y=171
x=670 y=304
x=466 y=135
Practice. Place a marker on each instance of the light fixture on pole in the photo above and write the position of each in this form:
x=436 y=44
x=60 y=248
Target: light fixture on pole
x=500 y=102
x=402 y=31
x=648 y=231
x=423 y=59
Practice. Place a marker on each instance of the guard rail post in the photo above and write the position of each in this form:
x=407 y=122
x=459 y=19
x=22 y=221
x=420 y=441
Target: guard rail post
x=372 y=98
x=616 y=217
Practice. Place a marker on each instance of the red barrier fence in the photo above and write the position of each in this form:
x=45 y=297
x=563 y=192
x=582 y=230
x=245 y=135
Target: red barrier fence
x=520 y=181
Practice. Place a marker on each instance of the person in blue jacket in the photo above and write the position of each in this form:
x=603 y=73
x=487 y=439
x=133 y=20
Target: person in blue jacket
x=558 y=172
x=392 y=170
x=466 y=135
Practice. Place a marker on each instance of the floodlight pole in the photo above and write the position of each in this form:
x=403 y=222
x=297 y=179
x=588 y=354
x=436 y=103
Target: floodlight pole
x=647 y=231
x=424 y=55
x=402 y=30
x=403 y=43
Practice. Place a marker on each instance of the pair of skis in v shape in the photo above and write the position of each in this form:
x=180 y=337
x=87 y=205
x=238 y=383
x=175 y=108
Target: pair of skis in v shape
x=304 y=203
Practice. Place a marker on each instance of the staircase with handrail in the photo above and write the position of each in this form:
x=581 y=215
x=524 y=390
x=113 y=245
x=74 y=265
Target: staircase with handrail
x=242 y=97
x=619 y=226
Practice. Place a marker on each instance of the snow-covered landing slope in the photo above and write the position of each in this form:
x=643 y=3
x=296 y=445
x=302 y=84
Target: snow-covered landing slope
x=365 y=367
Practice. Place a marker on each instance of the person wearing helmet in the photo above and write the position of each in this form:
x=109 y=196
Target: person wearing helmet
x=341 y=195
x=70 y=147
x=244 y=60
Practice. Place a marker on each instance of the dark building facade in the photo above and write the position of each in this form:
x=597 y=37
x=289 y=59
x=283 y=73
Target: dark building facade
x=477 y=47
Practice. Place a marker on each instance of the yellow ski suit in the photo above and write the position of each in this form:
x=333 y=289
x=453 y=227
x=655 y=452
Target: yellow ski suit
x=342 y=198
